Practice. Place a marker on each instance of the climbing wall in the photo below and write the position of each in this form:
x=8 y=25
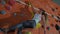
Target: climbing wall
x=13 y=12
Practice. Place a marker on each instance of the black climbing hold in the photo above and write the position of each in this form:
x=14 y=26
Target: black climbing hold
x=43 y=26
x=56 y=8
x=29 y=24
x=52 y=16
x=57 y=27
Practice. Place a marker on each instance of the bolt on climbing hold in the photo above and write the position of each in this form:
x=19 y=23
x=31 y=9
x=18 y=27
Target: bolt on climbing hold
x=52 y=15
x=53 y=9
x=15 y=14
x=3 y=12
x=8 y=7
x=11 y=2
x=28 y=32
x=42 y=26
x=3 y=2
x=48 y=28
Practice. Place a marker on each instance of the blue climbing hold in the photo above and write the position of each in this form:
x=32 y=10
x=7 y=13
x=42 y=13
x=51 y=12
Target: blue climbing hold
x=3 y=2
x=3 y=12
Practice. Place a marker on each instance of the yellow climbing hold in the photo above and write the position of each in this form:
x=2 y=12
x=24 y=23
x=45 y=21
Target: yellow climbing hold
x=28 y=33
x=38 y=25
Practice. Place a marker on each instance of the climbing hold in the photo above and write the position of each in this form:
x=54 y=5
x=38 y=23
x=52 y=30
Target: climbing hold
x=8 y=7
x=53 y=9
x=3 y=2
x=11 y=2
x=43 y=26
x=3 y=12
x=48 y=28
x=28 y=32
x=57 y=27
x=15 y=14
x=52 y=16
x=38 y=25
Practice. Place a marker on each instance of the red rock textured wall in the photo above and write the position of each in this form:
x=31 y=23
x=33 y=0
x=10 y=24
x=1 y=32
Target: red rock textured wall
x=14 y=10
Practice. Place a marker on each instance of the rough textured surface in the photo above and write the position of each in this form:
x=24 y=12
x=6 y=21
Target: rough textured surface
x=18 y=13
